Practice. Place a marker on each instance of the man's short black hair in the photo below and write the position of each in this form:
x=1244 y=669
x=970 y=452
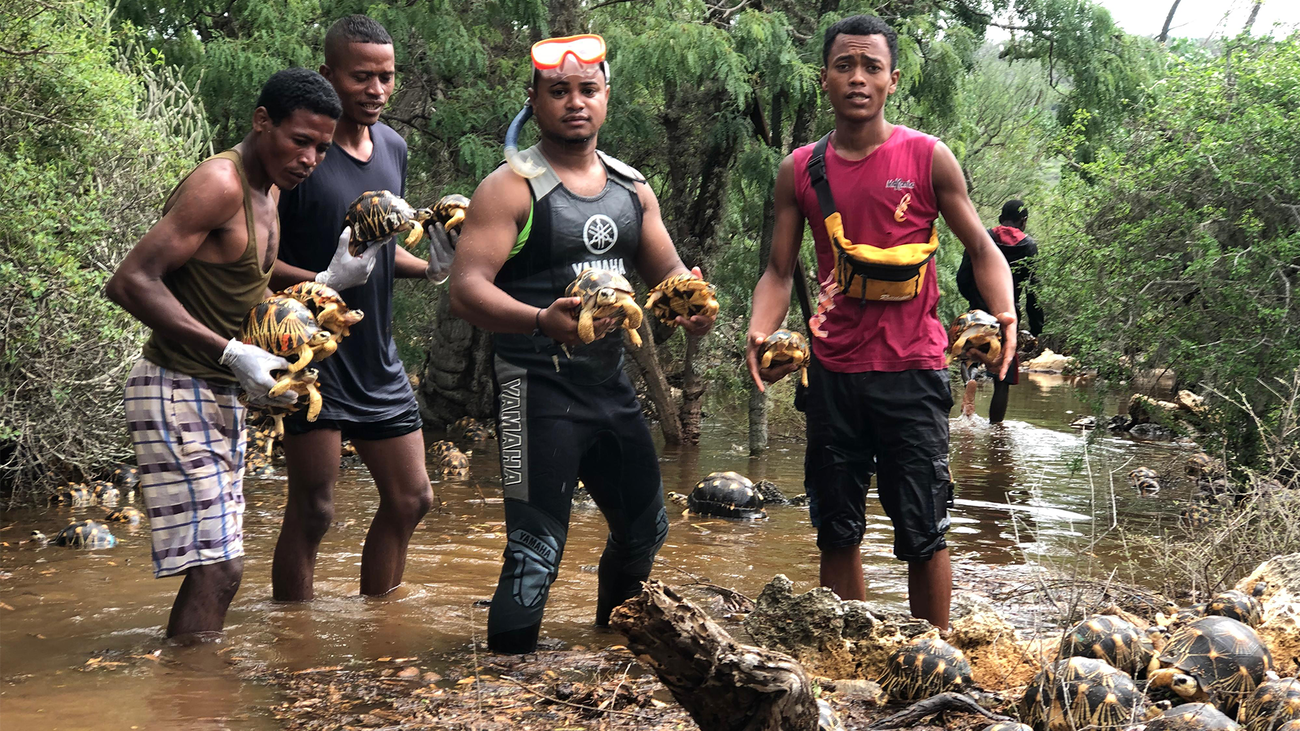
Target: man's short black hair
x=353 y=29
x=1013 y=211
x=298 y=88
x=861 y=25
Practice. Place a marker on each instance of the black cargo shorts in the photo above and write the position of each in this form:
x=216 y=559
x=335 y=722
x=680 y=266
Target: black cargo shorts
x=890 y=424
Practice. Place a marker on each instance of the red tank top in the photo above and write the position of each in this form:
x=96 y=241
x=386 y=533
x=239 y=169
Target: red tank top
x=877 y=336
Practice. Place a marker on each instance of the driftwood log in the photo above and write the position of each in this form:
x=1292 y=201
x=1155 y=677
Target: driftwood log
x=724 y=685
x=913 y=714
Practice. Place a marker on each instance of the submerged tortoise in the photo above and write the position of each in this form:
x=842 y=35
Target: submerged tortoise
x=785 y=346
x=1192 y=717
x=327 y=306
x=440 y=448
x=454 y=464
x=684 y=295
x=125 y=476
x=1078 y=693
x=1275 y=702
x=376 y=215
x=86 y=534
x=125 y=515
x=1213 y=659
x=470 y=429
x=105 y=492
x=604 y=294
x=1236 y=605
x=976 y=329
x=71 y=494
x=925 y=668
x=1111 y=639
x=726 y=495
x=1144 y=479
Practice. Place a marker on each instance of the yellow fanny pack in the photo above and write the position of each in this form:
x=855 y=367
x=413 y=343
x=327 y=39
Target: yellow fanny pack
x=863 y=271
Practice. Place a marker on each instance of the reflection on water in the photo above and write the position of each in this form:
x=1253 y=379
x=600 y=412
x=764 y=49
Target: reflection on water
x=1018 y=493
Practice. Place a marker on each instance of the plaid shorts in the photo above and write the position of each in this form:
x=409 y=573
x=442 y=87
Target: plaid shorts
x=189 y=444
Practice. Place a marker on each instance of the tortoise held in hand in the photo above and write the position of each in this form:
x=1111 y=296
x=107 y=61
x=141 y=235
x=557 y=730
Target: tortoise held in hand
x=1213 y=659
x=1080 y=693
x=450 y=210
x=726 y=495
x=785 y=346
x=976 y=329
x=604 y=294
x=86 y=534
x=682 y=294
x=285 y=327
x=378 y=214
x=329 y=309
x=925 y=668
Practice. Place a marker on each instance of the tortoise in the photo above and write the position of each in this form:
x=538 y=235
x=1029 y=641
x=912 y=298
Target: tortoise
x=1184 y=615
x=38 y=538
x=413 y=378
x=1080 y=692
x=1027 y=342
x=105 y=492
x=1112 y=639
x=1192 y=717
x=71 y=494
x=125 y=515
x=1202 y=466
x=976 y=329
x=604 y=294
x=440 y=448
x=770 y=493
x=470 y=429
x=676 y=498
x=305 y=383
x=1195 y=517
x=285 y=327
x=1236 y=605
x=784 y=346
x=450 y=210
x=1289 y=726
x=726 y=495
x=1145 y=479
x=125 y=475
x=327 y=306
x=1213 y=659
x=1007 y=726
x=924 y=668
x=86 y=534
x=454 y=464
x=376 y=215
x=1275 y=702
x=682 y=294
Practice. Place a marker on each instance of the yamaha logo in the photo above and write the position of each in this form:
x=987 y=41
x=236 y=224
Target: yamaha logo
x=599 y=234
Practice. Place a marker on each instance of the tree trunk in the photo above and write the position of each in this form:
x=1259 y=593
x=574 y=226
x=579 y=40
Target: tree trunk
x=457 y=378
x=724 y=685
x=647 y=360
x=1254 y=13
x=692 y=393
x=758 y=434
x=563 y=18
x=1169 y=19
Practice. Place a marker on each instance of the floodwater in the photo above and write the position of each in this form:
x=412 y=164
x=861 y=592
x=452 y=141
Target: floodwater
x=81 y=641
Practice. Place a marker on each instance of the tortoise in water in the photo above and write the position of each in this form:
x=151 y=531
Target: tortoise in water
x=454 y=464
x=1192 y=717
x=976 y=329
x=1081 y=692
x=86 y=534
x=1203 y=466
x=726 y=495
x=1275 y=702
x=440 y=448
x=125 y=476
x=470 y=429
x=376 y=215
x=125 y=515
x=105 y=492
x=676 y=498
x=262 y=472
x=1112 y=639
x=1236 y=605
x=925 y=668
x=1213 y=659
x=770 y=493
x=1145 y=480
x=682 y=294
x=784 y=346
x=327 y=306
x=71 y=494
x=38 y=538
x=604 y=294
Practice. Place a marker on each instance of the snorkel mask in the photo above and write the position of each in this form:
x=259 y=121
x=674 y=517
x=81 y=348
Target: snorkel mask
x=578 y=58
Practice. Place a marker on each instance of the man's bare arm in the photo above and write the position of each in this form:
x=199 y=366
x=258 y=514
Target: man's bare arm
x=407 y=265
x=772 y=294
x=657 y=258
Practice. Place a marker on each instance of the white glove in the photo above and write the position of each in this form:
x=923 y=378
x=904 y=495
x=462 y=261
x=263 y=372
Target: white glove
x=442 y=248
x=345 y=270
x=253 y=366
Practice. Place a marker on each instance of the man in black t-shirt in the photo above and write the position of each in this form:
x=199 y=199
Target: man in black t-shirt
x=367 y=397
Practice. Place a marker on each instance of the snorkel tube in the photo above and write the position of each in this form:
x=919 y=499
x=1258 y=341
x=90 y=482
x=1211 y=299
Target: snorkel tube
x=524 y=167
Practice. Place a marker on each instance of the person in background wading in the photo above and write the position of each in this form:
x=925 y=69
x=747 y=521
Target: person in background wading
x=566 y=409
x=367 y=397
x=192 y=279
x=878 y=396
x=1019 y=250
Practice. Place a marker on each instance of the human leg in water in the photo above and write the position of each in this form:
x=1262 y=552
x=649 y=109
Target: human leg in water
x=534 y=545
x=998 y=406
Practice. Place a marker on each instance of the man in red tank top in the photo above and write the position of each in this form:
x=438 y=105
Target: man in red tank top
x=878 y=396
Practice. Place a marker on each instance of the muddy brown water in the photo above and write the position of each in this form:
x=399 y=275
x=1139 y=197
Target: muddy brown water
x=81 y=631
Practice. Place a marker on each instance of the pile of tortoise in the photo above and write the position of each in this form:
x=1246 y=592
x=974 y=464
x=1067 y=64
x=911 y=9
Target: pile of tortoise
x=119 y=487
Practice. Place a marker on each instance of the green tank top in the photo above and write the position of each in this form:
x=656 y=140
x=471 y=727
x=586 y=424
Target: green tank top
x=217 y=295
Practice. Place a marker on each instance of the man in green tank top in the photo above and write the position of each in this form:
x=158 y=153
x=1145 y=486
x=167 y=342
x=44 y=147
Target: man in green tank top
x=191 y=279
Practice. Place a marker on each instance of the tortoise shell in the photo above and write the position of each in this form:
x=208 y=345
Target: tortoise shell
x=470 y=429
x=604 y=294
x=1212 y=659
x=770 y=493
x=73 y=494
x=440 y=448
x=1192 y=717
x=1236 y=605
x=125 y=475
x=1078 y=693
x=1113 y=640
x=326 y=305
x=976 y=329
x=285 y=327
x=1289 y=726
x=1142 y=473
x=1202 y=466
x=1195 y=517
x=684 y=295
x=726 y=495
x=125 y=515
x=1275 y=702
x=785 y=346
x=450 y=210
x=262 y=472
x=378 y=214
x=454 y=464
x=925 y=668
x=86 y=534
x=105 y=492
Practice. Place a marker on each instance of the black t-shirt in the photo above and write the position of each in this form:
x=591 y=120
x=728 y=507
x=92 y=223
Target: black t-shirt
x=1018 y=256
x=364 y=381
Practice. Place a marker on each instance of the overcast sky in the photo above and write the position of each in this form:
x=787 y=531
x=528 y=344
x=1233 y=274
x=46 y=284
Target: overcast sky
x=1201 y=18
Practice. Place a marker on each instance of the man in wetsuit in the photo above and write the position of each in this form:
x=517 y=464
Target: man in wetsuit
x=192 y=279
x=566 y=410
x=1019 y=250
x=878 y=396
x=367 y=397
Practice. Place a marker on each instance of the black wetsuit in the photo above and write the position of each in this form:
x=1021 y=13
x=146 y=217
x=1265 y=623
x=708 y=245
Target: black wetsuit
x=564 y=416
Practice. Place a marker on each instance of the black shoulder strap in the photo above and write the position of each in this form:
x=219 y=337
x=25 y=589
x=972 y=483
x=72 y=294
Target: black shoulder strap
x=817 y=177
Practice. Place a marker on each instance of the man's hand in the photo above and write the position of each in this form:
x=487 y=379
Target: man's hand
x=754 y=355
x=347 y=271
x=559 y=322
x=252 y=366
x=1008 y=322
x=442 y=249
x=697 y=325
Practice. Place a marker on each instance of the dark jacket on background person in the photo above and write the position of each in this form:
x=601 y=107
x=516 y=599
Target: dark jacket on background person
x=1018 y=248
